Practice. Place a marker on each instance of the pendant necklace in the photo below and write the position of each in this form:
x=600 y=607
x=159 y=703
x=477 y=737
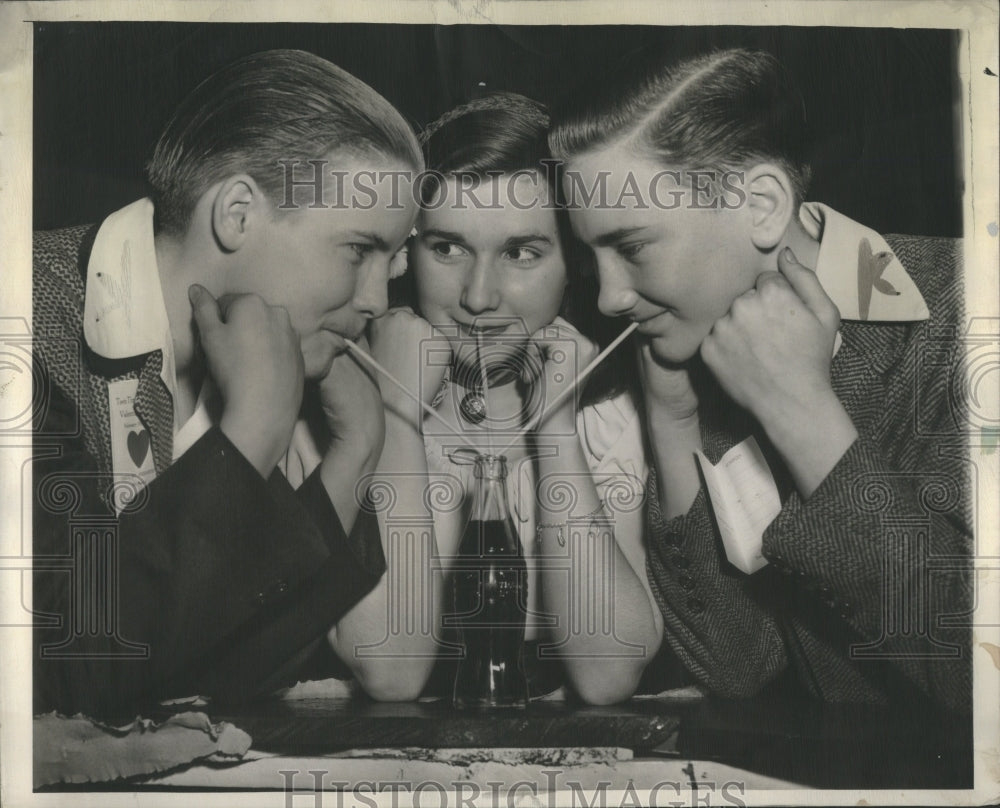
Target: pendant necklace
x=472 y=407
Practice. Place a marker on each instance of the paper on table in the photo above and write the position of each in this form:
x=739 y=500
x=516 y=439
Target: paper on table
x=82 y=750
x=745 y=500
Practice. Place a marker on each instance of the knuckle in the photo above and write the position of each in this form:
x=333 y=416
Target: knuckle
x=772 y=284
x=770 y=276
x=739 y=307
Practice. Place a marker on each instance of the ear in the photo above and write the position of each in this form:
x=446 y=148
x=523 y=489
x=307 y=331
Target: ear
x=232 y=207
x=771 y=202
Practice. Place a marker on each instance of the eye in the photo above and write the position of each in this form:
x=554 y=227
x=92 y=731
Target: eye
x=522 y=255
x=631 y=250
x=449 y=250
x=361 y=250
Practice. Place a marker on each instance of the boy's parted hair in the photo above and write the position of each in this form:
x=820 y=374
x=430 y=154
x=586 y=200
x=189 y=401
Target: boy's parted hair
x=268 y=107
x=721 y=111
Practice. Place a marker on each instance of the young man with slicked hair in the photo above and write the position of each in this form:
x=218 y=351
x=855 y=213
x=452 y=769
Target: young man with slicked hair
x=184 y=561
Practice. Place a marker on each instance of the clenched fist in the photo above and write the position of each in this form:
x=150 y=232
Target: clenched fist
x=404 y=344
x=252 y=354
x=772 y=354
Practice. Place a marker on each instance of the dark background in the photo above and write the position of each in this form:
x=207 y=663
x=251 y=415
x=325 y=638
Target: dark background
x=882 y=104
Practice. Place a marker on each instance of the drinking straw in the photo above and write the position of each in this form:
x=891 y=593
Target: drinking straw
x=486 y=389
x=583 y=374
x=367 y=357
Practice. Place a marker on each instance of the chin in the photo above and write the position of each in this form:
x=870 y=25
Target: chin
x=674 y=351
x=319 y=352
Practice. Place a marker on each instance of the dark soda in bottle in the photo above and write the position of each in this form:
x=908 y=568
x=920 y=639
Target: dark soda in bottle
x=490 y=597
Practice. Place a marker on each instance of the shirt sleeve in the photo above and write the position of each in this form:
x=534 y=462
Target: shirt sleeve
x=610 y=433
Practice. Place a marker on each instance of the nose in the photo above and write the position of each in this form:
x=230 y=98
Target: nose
x=371 y=294
x=617 y=295
x=479 y=292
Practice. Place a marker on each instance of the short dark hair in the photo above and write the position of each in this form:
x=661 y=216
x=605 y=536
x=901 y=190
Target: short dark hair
x=267 y=107
x=718 y=111
x=500 y=133
x=504 y=133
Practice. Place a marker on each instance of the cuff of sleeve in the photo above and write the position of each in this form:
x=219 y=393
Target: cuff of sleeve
x=833 y=540
x=836 y=502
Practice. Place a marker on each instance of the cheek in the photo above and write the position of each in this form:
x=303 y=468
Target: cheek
x=334 y=289
x=437 y=290
x=541 y=297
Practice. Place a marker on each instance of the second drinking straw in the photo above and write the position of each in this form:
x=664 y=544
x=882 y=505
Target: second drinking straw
x=486 y=390
x=583 y=374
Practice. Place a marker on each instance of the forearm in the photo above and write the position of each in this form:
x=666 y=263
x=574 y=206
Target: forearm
x=395 y=622
x=261 y=442
x=811 y=435
x=608 y=625
x=348 y=463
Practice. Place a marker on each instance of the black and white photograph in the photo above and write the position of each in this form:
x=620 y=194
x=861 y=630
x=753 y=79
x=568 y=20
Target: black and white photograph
x=459 y=404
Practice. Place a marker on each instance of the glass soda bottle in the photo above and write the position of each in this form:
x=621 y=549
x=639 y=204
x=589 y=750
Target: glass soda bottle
x=490 y=597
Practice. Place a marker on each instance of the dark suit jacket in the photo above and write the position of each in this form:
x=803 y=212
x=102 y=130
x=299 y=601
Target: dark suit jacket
x=866 y=595
x=212 y=581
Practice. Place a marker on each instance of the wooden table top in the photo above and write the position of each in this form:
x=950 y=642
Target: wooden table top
x=823 y=745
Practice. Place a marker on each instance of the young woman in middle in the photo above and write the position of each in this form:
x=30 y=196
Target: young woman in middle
x=494 y=288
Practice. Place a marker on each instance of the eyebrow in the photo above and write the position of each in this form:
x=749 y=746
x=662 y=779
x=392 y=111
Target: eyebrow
x=446 y=235
x=615 y=236
x=517 y=241
x=513 y=241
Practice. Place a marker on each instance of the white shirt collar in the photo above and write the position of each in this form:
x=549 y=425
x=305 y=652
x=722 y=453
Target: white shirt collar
x=124 y=314
x=858 y=270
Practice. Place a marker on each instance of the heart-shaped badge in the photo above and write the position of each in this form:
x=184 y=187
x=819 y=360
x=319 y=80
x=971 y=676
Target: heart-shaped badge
x=138 y=446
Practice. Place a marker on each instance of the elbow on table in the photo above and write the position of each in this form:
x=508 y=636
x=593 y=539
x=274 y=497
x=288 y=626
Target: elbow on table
x=601 y=685
x=392 y=682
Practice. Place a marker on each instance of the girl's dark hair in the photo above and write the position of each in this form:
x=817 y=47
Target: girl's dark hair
x=501 y=134
x=258 y=114
x=716 y=112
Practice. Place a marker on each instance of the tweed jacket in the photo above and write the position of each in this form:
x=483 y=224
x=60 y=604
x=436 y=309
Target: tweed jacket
x=210 y=581
x=869 y=579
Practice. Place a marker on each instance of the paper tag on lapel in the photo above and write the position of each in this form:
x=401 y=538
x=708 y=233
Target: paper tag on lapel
x=131 y=443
